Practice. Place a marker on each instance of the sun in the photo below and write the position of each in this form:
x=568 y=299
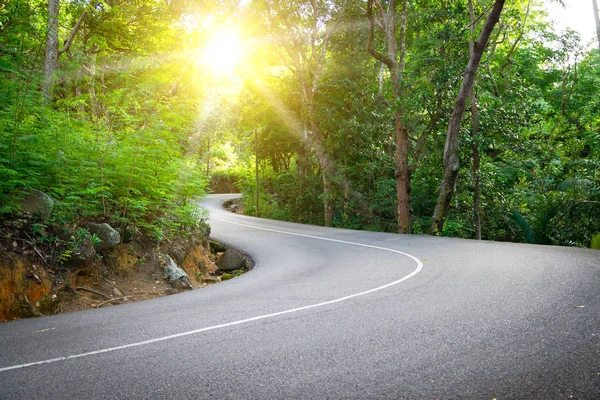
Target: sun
x=223 y=52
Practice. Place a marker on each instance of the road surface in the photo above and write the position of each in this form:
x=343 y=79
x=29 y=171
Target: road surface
x=333 y=314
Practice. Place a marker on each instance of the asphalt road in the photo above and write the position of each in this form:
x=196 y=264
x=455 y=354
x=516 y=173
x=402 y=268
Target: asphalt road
x=333 y=314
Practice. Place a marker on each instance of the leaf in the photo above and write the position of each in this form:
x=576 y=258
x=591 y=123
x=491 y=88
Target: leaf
x=524 y=225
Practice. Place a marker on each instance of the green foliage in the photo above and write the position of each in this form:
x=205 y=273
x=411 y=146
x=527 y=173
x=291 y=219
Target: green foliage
x=226 y=277
x=114 y=143
x=595 y=242
x=64 y=256
x=524 y=226
x=136 y=130
x=537 y=95
x=79 y=237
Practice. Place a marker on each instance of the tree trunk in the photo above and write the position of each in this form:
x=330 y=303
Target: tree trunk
x=451 y=161
x=94 y=106
x=326 y=168
x=395 y=61
x=346 y=198
x=307 y=50
x=402 y=174
x=474 y=133
x=597 y=18
x=476 y=167
x=208 y=156
x=327 y=195
x=51 y=63
x=256 y=170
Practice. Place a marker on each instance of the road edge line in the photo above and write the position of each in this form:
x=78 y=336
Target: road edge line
x=247 y=320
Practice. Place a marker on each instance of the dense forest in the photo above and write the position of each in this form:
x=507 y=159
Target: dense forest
x=463 y=118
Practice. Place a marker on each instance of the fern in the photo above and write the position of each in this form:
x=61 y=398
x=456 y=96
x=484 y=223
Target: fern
x=524 y=226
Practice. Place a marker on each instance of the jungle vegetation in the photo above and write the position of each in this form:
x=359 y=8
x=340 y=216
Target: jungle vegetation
x=463 y=118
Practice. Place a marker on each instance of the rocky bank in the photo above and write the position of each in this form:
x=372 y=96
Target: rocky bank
x=48 y=268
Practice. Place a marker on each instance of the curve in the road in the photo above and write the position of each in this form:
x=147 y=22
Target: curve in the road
x=418 y=268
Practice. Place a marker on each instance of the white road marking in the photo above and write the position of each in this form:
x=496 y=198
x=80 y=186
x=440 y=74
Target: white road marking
x=247 y=320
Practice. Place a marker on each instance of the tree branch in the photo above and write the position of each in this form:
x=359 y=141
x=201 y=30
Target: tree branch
x=371 y=38
x=73 y=33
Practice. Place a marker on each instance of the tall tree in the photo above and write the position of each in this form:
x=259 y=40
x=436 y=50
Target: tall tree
x=451 y=159
x=52 y=50
x=597 y=19
x=51 y=63
x=304 y=31
x=394 y=60
x=474 y=133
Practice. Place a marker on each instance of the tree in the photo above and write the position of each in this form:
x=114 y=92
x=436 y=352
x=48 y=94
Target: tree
x=597 y=19
x=394 y=60
x=51 y=63
x=52 y=50
x=304 y=31
x=451 y=159
x=474 y=133
x=115 y=142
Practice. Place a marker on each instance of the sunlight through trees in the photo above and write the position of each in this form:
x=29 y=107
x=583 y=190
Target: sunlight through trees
x=130 y=110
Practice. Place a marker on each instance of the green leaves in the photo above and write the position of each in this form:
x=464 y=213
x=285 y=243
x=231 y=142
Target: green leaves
x=595 y=243
x=114 y=144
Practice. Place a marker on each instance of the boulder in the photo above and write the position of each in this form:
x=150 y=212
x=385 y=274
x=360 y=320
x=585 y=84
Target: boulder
x=232 y=205
x=110 y=237
x=176 y=276
x=37 y=203
x=231 y=260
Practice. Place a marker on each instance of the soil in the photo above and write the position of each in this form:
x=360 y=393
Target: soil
x=32 y=283
x=143 y=281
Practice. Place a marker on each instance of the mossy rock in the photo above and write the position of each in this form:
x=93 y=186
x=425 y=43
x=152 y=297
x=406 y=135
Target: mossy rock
x=37 y=203
x=595 y=243
x=226 y=277
x=216 y=247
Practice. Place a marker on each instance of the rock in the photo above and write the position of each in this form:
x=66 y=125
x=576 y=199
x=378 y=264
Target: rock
x=37 y=203
x=82 y=255
x=197 y=263
x=125 y=258
x=231 y=260
x=176 y=276
x=232 y=205
x=179 y=254
x=216 y=247
x=110 y=237
x=116 y=292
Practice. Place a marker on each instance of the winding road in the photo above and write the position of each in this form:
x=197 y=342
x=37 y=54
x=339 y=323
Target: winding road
x=333 y=314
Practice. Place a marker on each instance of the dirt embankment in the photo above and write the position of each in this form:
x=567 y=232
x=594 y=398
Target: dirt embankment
x=36 y=280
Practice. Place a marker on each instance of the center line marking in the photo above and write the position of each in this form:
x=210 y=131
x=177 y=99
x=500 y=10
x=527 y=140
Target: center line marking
x=247 y=320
